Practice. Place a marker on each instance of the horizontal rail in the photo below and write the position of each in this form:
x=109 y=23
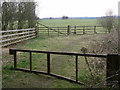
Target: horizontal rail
x=61 y=53
x=54 y=75
x=87 y=26
x=52 y=27
x=3 y=36
x=16 y=38
x=50 y=30
x=43 y=29
x=57 y=27
x=88 y=29
x=16 y=30
x=71 y=26
x=18 y=41
x=82 y=29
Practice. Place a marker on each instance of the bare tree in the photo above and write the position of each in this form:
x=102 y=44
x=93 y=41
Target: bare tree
x=4 y=16
x=108 y=21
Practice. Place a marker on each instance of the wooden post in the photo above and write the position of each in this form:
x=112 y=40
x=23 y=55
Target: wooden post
x=48 y=30
x=15 y=59
x=36 y=31
x=76 y=68
x=48 y=63
x=69 y=30
x=74 y=29
x=58 y=31
x=30 y=61
x=83 y=29
x=113 y=65
x=95 y=30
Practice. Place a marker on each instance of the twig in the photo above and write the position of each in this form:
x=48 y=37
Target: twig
x=84 y=50
x=89 y=67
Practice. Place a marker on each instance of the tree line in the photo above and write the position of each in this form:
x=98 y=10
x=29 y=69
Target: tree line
x=18 y=15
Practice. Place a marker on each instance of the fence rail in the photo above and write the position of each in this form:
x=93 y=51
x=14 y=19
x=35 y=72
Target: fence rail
x=71 y=30
x=14 y=36
x=109 y=58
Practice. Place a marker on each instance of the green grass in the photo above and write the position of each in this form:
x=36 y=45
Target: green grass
x=60 y=64
x=72 y=22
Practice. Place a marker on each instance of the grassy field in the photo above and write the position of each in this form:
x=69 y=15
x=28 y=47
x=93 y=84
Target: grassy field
x=60 y=64
x=72 y=22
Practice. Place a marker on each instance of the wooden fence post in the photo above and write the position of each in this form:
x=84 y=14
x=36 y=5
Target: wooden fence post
x=74 y=29
x=76 y=68
x=15 y=59
x=36 y=31
x=95 y=30
x=58 y=31
x=83 y=29
x=48 y=63
x=69 y=30
x=48 y=30
x=30 y=61
x=113 y=65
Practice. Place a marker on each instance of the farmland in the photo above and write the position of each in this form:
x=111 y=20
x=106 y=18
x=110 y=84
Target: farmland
x=61 y=65
x=72 y=22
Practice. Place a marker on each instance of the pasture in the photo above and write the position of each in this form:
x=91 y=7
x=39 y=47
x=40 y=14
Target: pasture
x=72 y=22
x=61 y=65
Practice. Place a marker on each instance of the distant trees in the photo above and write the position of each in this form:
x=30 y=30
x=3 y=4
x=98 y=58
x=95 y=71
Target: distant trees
x=108 y=21
x=51 y=17
x=64 y=17
x=20 y=13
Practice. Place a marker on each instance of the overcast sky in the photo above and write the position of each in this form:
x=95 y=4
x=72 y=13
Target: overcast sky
x=75 y=8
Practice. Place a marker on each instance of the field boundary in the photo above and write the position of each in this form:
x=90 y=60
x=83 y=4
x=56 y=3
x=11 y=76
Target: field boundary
x=10 y=37
x=77 y=30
